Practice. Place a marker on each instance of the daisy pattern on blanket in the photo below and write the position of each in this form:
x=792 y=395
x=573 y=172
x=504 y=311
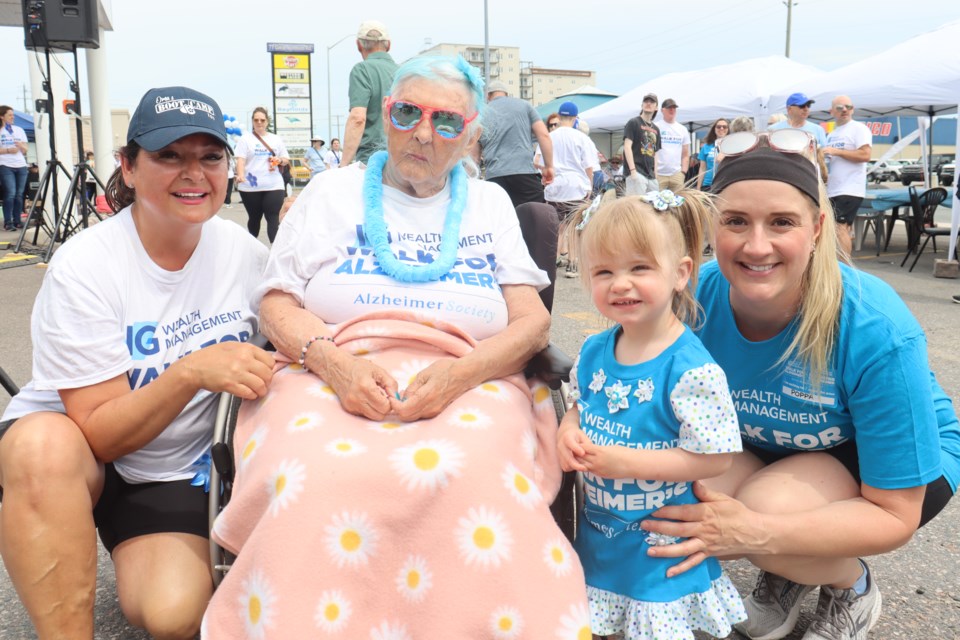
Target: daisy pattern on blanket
x=428 y=464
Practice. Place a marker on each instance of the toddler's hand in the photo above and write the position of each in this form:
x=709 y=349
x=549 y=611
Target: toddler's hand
x=570 y=447
x=607 y=462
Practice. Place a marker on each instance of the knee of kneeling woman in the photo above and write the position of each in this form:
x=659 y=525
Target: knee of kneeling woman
x=176 y=619
x=44 y=448
x=798 y=483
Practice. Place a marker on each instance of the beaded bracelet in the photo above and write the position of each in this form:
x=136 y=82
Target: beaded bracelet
x=303 y=352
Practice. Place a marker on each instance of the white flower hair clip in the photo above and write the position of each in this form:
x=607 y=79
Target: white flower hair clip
x=663 y=200
x=592 y=209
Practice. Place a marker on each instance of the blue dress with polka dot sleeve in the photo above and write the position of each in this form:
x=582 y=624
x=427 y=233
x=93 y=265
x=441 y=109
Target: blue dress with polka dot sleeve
x=678 y=399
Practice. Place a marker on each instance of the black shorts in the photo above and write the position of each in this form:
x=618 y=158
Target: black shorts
x=566 y=209
x=938 y=492
x=125 y=510
x=521 y=187
x=845 y=208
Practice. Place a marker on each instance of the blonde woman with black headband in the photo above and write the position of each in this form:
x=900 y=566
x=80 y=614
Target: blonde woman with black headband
x=850 y=445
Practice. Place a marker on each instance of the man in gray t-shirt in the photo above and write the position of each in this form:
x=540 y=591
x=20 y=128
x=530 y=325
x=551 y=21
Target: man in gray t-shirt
x=511 y=127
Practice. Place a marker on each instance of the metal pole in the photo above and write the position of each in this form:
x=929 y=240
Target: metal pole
x=789 y=4
x=486 y=44
x=329 y=107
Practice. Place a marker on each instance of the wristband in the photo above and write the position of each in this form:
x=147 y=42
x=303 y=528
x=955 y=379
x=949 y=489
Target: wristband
x=303 y=352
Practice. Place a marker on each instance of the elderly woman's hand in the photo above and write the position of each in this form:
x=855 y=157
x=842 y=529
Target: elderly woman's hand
x=719 y=526
x=364 y=388
x=431 y=391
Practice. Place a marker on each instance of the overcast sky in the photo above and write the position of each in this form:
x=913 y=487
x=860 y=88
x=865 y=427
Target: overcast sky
x=220 y=47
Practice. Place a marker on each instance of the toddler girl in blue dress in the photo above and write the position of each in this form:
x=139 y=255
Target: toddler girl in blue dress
x=653 y=414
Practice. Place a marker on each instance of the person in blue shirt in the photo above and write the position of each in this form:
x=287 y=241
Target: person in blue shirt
x=708 y=153
x=798 y=110
x=850 y=445
x=314 y=157
x=653 y=414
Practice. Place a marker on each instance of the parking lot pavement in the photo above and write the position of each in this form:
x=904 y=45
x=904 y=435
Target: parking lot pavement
x=919 y=583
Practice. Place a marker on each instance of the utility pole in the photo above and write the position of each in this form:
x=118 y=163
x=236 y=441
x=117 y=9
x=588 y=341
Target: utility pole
x=486 y=44
x=25 y=109
x=790 y=4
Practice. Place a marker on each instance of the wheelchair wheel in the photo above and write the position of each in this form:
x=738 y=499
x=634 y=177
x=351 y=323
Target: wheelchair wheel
x=221 y=478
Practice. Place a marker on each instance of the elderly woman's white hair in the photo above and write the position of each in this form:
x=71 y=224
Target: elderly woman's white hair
x=742 y=123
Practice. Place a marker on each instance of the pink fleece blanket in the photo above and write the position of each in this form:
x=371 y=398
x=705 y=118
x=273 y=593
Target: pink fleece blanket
x=350 y=528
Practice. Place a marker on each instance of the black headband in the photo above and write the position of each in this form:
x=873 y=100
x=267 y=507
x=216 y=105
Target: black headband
x=763 y=163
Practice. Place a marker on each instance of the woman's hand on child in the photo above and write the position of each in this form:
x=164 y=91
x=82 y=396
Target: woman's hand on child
x=718 y=526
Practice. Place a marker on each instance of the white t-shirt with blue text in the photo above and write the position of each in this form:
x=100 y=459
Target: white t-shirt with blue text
x=673 y=137
x=321 y=255
x=257 y=175
x=848 y=178
x=105 y=308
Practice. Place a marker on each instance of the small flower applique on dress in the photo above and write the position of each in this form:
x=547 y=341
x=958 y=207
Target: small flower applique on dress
x=618 y=397
x=599 y=379
x=660 y=539
x=644 y=392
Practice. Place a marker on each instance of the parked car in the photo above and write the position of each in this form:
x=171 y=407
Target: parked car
x=914 y=172
x=299 y=171
x=883 y=171
x=947 y=174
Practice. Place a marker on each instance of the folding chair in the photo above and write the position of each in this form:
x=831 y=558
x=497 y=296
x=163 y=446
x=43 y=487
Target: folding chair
x=924 y=209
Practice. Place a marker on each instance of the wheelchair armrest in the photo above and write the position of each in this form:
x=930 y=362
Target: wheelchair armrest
x=552 y=365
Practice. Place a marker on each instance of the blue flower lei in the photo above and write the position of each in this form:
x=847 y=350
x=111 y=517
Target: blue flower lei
x=375 y=228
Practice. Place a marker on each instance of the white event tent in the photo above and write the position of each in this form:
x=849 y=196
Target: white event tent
x=918 y=77
x=727 y=91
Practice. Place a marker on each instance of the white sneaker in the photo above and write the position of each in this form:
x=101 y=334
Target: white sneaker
x=772 y=608
x=843 y=615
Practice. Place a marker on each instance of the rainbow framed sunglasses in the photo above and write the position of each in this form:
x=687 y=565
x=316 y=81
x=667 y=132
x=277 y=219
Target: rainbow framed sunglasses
x=406 y=115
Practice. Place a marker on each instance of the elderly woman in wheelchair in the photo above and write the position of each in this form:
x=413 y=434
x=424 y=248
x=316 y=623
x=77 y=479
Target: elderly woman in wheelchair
x=396 y=479
x=139 y=321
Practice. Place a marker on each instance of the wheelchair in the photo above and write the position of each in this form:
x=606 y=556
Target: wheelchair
x=539 y=225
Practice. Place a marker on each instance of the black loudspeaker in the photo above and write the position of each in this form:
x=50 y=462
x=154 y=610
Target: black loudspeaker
x=60 y=24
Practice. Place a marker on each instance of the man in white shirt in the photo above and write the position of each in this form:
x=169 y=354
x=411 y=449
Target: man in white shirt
x=673 y=158
x=574 y=156
x=847 y=152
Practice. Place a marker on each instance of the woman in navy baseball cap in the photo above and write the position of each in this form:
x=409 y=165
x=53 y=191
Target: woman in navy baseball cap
x=139 y=323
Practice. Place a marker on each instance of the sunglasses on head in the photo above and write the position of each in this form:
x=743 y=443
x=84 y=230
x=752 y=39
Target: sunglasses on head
x=405 y=115
x=782 y=140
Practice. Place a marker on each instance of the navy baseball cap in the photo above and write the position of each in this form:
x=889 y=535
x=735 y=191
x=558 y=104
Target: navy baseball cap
x=568 y=109
x=167 y=114
x=799 y=100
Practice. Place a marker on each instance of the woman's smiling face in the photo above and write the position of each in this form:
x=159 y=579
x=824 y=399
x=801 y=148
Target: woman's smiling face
x=765 y=236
